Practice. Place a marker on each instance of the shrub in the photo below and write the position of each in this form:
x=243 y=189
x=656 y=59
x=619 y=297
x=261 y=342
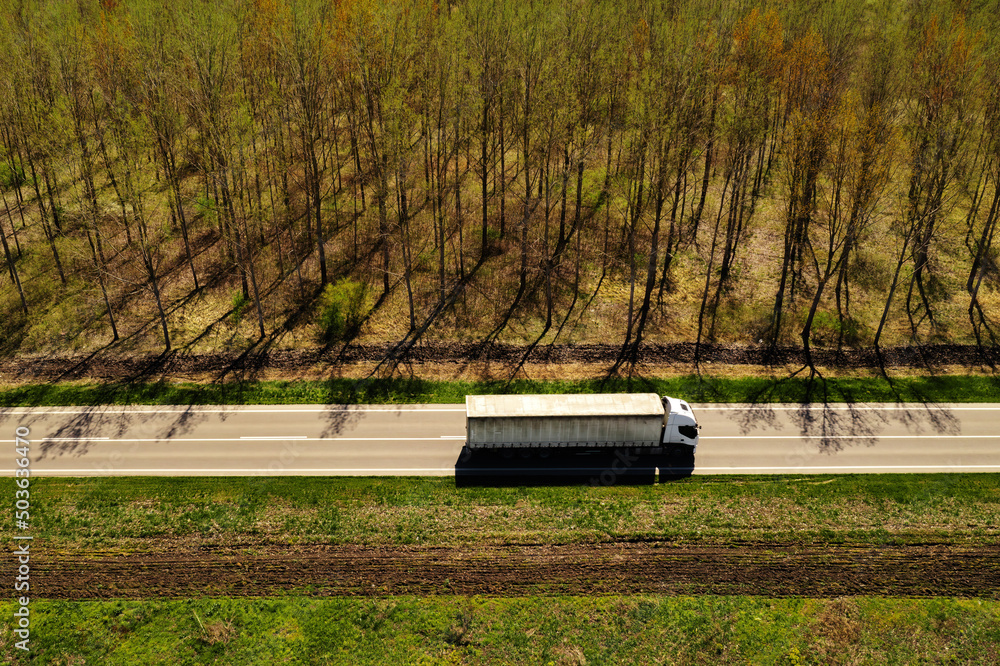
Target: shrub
x=827 y=329
x=11 y=175
x=341 y=307
x=205 y=207
x=239 y=303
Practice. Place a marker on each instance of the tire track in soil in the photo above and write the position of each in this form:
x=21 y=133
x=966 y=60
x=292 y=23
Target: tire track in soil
x=770 y=570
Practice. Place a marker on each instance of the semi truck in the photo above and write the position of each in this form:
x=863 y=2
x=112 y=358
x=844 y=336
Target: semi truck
x=598 y=438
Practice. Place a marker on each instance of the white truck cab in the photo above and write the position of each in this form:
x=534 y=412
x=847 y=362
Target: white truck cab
x=680 y=425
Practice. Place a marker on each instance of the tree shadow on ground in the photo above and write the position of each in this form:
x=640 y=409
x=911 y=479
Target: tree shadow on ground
x=74 y=431
x=831 y=416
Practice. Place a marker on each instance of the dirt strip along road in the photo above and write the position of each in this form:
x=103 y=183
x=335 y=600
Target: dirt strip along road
x=111 y=366
x=767 y=569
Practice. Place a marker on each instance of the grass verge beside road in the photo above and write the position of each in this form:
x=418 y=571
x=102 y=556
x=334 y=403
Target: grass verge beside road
x=944 y=388
x=135 y=513
x=640 y=629
x=100 y=522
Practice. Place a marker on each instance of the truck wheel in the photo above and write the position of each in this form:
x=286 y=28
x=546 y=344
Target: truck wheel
x=684 y=459
x=679 y=464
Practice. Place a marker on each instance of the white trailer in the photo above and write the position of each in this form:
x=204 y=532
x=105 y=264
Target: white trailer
x=642 y=421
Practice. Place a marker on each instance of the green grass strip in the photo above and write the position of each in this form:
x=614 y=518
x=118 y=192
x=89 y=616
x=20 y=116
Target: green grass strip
x=946 y=388
x=640 y=629
x=876 y=509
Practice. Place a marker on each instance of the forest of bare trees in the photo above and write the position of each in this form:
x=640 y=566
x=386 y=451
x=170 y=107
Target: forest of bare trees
x=195 y=174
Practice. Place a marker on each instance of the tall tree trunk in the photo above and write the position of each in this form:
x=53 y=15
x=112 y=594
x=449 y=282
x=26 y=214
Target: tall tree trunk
x=170 y=167
x=11 y=266
x=45 y=221
x=99 y=269
x=484 y=183
x=147 y=260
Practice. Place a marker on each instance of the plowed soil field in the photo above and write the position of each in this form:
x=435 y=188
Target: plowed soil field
x=768 y=569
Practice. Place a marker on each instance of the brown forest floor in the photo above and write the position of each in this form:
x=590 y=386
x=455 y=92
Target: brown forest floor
x=442 y=360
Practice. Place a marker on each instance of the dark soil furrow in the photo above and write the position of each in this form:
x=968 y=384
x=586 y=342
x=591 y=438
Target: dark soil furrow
x=584 y=569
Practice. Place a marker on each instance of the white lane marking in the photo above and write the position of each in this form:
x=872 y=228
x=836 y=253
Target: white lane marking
x=704 y=437
x=337 y=409
x=462 y=437
x=238 y=439
x=235 y=409
x=843 y=407
x=386 y=470
x=254 y=470
x=842 y=467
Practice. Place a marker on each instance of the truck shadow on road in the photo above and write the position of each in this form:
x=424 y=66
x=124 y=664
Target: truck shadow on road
x=616 y=467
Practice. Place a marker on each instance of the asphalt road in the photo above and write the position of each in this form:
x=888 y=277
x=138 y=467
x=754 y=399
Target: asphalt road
x=425 y=440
